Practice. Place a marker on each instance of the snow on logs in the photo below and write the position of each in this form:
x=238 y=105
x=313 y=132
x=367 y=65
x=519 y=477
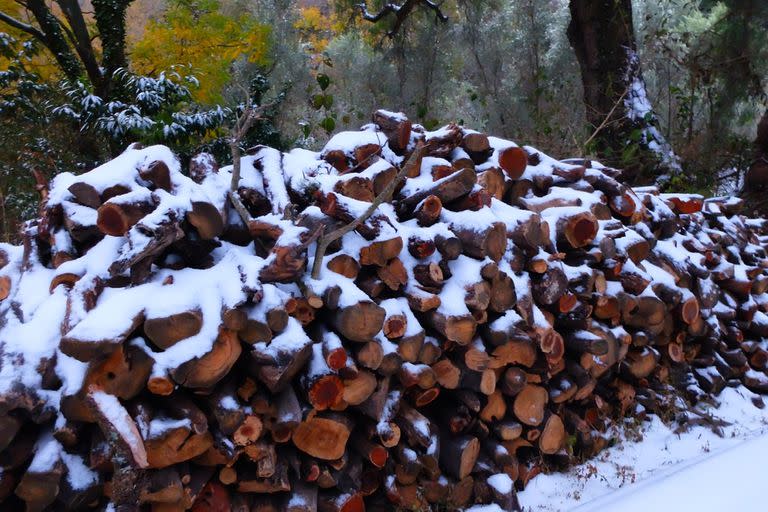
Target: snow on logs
x=494 y=316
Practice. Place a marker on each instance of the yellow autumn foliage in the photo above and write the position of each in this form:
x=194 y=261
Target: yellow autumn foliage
x=317 y=28
x=201 y=39
x=42 y=63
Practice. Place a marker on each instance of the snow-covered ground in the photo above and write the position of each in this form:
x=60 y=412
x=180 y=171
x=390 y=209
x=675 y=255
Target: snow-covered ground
x=696 y=470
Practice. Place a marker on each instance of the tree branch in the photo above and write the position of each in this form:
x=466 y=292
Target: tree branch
x=29 y=29
x=243 y=123
x=53 y=38
x=438 y=12
x=81 y=39
x=401 y=12
x=607 y=118
x=373 y=18
x=384 y=196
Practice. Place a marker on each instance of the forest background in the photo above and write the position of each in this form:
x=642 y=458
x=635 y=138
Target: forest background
x=673 y=91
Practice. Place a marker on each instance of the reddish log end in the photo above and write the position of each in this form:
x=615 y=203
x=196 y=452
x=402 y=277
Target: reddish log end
x=513 y=160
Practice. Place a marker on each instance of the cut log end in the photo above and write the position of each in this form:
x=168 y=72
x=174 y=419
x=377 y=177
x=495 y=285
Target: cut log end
x=514 y=161
x=584 y=231
x=323 y=438
x=326 y=392
x=360 y=322
x=116 y=219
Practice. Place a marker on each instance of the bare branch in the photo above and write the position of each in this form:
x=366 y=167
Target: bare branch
x=243 y=123
x=29 y=29
x=384 y=196
x=401 y=12
x=80 y=38
x=607 y=118
x=373 y=18
x=438 y=12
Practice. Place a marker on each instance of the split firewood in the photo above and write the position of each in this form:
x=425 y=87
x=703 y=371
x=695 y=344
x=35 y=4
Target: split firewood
x=444 y=141
x=205 y=371
x=446 y=189
x=427 y=211
x=278 y=363
x=396 y=126
x=85 y=194
x=491 y=242
x=80 y=344
x=207 y=219
x=115 y=421
x=344 y=265
x=166 y=331
x=378 y=253
x=492 y=181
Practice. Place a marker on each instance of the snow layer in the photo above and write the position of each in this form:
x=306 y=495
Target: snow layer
x=38 y=319
x=694 y=470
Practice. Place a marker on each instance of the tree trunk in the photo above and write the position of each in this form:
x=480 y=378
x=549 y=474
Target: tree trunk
x=756 y=179
x=54 y=39
x=110 y=20
x=625 y=129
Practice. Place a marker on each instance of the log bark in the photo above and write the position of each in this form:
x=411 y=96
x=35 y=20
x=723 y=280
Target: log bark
x=169 y=330
x=452 y=187
x=397 y=129
x=459 y=455
x=490 y=242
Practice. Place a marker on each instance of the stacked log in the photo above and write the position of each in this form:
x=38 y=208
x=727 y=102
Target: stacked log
x=492 y=312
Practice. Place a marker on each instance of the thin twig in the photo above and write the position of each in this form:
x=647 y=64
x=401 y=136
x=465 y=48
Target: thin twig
x=314 y=235
x=605 y=121
x=383 y=197
x=243 y=123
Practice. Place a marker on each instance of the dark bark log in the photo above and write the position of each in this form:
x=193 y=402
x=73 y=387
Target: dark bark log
x=449 y=188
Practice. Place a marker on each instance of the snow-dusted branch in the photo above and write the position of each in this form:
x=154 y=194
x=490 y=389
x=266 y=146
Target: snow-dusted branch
x=385 y=196
x=29 y=29
x=243 y=123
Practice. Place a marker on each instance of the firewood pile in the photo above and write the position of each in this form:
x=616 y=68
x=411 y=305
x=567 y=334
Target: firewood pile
x=406 y=318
